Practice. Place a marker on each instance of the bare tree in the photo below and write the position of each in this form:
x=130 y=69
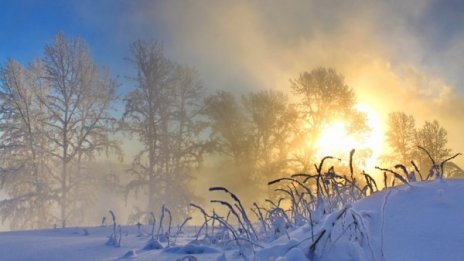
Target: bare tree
x=401 y=135
x=228 y=124
x=253 y=135
x=405 y=139
x=164 y=113
x=273 y=126
x=24 y=166
x=434 y=139
x=78 y=116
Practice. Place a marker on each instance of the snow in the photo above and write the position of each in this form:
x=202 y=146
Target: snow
x=422 y=222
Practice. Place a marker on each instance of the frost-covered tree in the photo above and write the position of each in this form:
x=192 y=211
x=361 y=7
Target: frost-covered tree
x=24 y=167
x=78 y=120
x=253 y=134
x=324 y=97
x=163 y=112
x=229 y=131
x=405 y=139
x=54 y=118
x=228 y=124
x=401 y=135
x=272 y=122
x=434 y=139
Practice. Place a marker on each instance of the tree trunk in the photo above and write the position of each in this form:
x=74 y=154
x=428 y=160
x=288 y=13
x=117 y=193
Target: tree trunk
x=64 y=191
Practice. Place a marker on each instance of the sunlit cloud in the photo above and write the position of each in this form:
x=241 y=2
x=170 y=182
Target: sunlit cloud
x=380 y=47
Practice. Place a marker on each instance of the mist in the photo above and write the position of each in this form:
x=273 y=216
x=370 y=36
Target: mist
x=396 y=55
x=403 y=52
x=395 y=50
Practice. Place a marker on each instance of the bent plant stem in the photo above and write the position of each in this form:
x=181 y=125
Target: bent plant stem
x=180 y=228
x=442 y=164
x=169 y=225
x=260 y=217
x=153 y=224
x=235 y=214
x=205 y=224
x=241 y=209
x=160 y=227
x=114 y=235
x=417 y=170
x=396 y=175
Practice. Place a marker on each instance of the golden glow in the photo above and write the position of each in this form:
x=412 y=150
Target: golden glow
x=335 y=140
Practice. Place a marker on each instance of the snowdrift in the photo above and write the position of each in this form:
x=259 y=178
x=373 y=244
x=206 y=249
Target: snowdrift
x=421 y=222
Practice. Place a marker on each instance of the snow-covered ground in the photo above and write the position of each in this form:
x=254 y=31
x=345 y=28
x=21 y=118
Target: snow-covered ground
x=424 y=222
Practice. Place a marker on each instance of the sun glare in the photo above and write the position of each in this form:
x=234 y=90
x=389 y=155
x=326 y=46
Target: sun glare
x=335 y=140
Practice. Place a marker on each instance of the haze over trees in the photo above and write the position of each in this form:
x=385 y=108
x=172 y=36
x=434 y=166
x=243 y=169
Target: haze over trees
x=401 y=135
x=163 y=112
x=323 y=97
x=254 y=135
x=408 y=142
x=78 y=120
x=57 y=119
x=25 y=165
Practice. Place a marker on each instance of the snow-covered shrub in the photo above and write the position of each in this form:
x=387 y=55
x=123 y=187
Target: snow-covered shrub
x=347 y=225
x=152 y=244
x=279 y=223
x=320 y=202
x=130 y=254
x=243 y=219
x=241 y=236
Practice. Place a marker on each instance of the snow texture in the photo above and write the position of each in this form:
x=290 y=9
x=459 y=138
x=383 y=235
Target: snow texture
x=421 y=222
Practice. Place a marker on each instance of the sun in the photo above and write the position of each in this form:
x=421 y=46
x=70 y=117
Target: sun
x=335 y=139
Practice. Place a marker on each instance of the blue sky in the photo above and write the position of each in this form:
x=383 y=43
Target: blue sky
x=27 y=26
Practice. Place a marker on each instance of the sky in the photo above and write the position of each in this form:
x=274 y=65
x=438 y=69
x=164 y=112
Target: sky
x=397 y=55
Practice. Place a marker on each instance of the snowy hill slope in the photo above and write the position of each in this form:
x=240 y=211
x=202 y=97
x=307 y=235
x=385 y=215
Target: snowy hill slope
x=423 y=222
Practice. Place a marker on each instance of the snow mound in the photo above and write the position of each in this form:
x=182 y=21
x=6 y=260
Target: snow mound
x=130 y=254
x=190 y=249
x=152 y=244
x=422 y=222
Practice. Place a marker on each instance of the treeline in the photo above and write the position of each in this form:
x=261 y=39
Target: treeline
x=409 y=143
x=57 y=116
